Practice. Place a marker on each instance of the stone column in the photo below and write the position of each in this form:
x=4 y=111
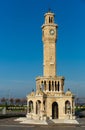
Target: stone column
x=73 y=107
x=47 y=86
x=27 y=106
x=59 y=86
x=34 y=107
x=41 y=110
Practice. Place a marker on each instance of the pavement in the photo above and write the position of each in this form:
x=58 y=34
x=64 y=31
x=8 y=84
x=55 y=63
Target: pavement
x=14 y=123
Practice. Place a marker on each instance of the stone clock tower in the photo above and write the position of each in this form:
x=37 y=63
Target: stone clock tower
x=49 y=101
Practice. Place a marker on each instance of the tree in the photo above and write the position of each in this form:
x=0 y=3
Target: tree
x=23 y=101
x=12 y=101
x=17 y=101
x=3 y=100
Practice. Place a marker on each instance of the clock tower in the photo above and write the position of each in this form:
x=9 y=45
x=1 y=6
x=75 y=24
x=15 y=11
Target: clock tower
x=49 y=37
x=49 y=101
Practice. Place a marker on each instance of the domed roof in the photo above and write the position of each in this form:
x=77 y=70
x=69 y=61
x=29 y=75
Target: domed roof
x=39 y=92
x=32 y=94
x=68 y=93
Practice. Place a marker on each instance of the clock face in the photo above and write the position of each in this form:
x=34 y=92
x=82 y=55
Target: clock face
x=52 y=32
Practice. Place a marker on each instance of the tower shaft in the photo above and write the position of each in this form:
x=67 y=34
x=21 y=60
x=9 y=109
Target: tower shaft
x=49 y=37
x=49 y=65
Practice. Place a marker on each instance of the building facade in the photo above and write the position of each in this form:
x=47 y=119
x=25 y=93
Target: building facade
x=49 y=101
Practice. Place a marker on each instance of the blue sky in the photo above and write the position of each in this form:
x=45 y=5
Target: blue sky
x=21 y=48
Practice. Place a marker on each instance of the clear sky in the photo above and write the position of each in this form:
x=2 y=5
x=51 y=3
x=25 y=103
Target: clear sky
x=21 y=48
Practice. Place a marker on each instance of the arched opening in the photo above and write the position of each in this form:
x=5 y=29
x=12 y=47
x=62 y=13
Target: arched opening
x=51 y=20
x=38 y=106
x=30 y=106
x=49 y=86
x=45 y=85
x=44 y=103
x=55 y=86
x=55 y=110
x=58 y=86
x=41 y=87
x=67 y=107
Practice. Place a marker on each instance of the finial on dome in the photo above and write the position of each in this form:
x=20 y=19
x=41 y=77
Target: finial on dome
x=68 y=89
x=32 y=90
x=49 y=10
